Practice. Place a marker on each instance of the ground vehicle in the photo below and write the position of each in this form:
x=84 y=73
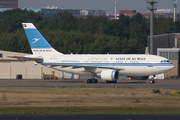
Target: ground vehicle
x=50 y=76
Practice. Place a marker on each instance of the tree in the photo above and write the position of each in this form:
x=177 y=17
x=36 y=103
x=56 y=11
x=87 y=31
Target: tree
x=163 y=25
x=68 y=34
x=65 y=21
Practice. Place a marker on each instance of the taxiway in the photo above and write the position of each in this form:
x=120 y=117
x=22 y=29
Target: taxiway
x=167 y=84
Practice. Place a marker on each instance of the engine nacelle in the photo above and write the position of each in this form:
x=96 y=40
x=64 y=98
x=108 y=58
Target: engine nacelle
x=139 y=77
x=111 y=75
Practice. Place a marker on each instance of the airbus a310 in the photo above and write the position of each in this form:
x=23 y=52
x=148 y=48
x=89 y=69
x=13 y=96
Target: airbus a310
x=105 y=66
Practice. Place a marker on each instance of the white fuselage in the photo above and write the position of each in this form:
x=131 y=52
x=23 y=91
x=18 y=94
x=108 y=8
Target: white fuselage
x=127 y=64
x=106 y=66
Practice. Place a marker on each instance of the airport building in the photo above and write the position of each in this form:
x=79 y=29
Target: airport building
x=166 y=13
x=47 y=12
x=51 y=12
x=173 y=55
x=168 y=46
x=12 y=67
x=93 y=12
x=8 y=3
x=171 y=40
x=129 y=13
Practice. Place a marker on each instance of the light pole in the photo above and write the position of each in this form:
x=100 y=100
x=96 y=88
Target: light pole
x=175 y=5
x=151 y=8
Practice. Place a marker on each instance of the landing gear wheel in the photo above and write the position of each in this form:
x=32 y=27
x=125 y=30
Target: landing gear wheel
x=89 y=81
x=152 y=81
x=111 y=81
x=92 y=81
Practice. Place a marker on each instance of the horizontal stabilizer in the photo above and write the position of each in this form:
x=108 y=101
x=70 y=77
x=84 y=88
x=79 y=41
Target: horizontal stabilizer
x=37 y=59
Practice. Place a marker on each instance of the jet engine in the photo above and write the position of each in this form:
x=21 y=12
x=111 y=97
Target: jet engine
x=111 y=75
x=139 y=77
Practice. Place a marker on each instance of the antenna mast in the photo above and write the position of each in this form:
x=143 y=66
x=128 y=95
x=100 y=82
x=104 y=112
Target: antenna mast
x=175 y=5
x=115 y=8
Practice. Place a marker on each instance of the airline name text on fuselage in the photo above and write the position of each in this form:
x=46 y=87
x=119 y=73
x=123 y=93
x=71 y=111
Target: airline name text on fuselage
x=143 y=59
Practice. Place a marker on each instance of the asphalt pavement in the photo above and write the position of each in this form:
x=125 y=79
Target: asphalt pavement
x=89 y=117
x=167 y=84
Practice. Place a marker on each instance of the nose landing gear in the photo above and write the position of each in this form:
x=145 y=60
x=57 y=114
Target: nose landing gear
x=152 y=81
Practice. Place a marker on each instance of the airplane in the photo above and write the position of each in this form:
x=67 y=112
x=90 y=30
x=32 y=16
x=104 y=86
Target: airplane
x=105 y=66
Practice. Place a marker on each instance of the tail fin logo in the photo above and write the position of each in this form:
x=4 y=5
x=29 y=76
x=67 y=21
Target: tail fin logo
x=35 y=40
x=24 y=25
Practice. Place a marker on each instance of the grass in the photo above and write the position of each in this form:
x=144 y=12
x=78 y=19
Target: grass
x=156 y=91
x=82 y=100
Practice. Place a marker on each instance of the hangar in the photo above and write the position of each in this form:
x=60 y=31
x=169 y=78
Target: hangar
x=173 y=55
x=11 y=67
x=168 y=46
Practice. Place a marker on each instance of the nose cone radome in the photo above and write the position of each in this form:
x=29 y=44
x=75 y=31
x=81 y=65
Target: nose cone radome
x=171 y=66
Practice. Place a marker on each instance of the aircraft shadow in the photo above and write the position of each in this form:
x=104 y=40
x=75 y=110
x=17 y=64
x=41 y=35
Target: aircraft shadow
x=123 y=83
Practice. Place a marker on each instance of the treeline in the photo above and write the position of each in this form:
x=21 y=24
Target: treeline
x=68 y=34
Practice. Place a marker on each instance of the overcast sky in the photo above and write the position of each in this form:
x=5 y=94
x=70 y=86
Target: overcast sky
x=108 y=5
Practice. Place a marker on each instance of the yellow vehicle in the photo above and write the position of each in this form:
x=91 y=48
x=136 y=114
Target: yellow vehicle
x=50 y=76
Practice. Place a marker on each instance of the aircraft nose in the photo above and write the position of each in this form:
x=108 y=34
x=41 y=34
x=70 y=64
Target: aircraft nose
x=171 y=66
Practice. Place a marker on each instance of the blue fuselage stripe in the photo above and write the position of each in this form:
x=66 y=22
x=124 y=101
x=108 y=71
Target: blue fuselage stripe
x=112 y=64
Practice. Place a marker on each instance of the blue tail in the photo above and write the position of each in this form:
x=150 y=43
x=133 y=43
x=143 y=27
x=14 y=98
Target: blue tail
x=38 y=43
x=36 y=40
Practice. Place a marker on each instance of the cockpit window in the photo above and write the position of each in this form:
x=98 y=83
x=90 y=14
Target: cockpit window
x=164 y=61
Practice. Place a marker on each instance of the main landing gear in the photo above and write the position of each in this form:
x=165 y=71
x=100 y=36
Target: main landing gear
x=96 y=81
x=92 y=81
x=152 y=81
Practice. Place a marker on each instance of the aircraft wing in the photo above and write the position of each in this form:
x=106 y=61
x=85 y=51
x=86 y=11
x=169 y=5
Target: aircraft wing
x=112 y=67
x=37 y=59
x=90 y=67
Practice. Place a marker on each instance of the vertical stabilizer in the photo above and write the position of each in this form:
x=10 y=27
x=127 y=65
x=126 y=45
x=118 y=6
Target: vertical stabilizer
x=38 y=43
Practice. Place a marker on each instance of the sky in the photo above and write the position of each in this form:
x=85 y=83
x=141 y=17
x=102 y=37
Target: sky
x=108 y=5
